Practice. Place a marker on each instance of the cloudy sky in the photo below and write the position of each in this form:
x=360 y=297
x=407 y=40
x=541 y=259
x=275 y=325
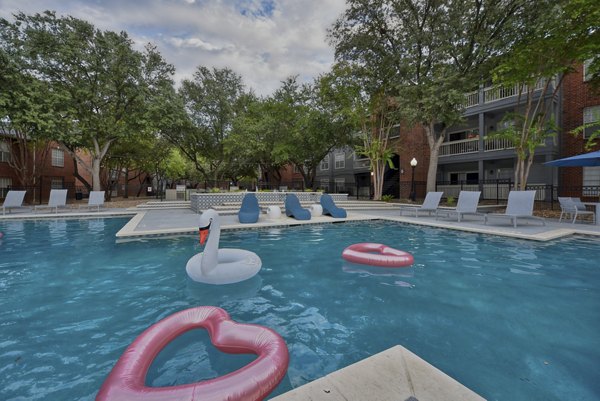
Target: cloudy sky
x=264 y=41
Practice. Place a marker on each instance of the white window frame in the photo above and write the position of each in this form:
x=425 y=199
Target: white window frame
x=591 y=115
x=57 y=183
x=339 y=183
x=324 y=184
x=5 y=183
x=324 y=164
x=340 y=161
x=4 y=151
x=58 y=157
x=392 y=136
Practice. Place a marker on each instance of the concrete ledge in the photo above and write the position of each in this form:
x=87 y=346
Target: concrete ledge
x=395 y=374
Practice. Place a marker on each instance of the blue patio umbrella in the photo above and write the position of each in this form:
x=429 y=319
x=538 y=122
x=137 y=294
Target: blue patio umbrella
x=585 y=160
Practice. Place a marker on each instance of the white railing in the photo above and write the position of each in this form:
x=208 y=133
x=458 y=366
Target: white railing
x=495 y=93
x=471 y=99
x=459 y=147
x=362 y=163
x=492 y=144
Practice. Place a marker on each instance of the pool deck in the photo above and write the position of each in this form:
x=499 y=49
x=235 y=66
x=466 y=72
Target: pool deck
x=394 y=374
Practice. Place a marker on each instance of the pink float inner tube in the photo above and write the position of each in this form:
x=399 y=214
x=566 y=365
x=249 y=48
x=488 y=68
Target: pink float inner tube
x=126 y=381
x=368 y=253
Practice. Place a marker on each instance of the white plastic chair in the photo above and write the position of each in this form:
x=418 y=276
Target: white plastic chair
x=14 y=199
x=574 y=207
x=520 y=206
x=58 y=199
x=96 y=200
x=430 y=204
x=466 y=205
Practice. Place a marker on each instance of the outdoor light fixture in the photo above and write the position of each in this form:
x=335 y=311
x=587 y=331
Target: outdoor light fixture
x=413 y=195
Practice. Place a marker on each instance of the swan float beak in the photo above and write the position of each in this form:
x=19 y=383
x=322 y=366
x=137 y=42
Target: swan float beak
x=203 y=232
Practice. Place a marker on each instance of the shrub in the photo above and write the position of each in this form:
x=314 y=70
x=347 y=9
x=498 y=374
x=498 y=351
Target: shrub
x=450 y=200
x=387 y=198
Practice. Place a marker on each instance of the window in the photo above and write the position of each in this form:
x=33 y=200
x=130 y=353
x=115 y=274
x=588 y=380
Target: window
x=340 y=160
x=58 y=158
x=340 y=184
x=395 y=132
x=586 y=70
x=57 y=183
x=591 y=177
x=325 y=163
x=591 y=115
x=4 y=152
x=471 y=133
x=5 y=183
x=325 y=184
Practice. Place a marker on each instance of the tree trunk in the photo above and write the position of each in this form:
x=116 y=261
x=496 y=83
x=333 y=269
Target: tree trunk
x=434 y=151
x=96 y=173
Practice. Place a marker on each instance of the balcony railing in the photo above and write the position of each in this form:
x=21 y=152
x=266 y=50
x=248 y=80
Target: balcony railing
x=495 y=93
x=460 y=147
x=362 y=163
x=492 y=144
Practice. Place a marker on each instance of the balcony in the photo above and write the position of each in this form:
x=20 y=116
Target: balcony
x=362 y=163
x=495 y=93
x=465 y=146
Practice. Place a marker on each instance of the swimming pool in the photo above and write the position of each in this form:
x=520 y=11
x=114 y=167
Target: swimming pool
x=510 y=319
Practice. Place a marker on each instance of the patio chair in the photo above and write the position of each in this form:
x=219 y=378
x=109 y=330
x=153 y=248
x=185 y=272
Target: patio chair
x=430 y=204
x=13 y=200
x=249 y=211
x=574 y=207
x=520 y=206
x=58 y=199
x=96 y=200
x=466 y=205
x=330 y=208
x=294 y=209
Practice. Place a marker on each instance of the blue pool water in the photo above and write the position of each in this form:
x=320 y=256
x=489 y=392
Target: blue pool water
x=512 y=320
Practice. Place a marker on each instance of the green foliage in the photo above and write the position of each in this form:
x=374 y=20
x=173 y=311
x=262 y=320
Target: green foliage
x=387 y=198
x=450 y=200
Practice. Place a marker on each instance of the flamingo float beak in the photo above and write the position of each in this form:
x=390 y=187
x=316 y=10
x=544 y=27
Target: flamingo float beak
x=203 y=232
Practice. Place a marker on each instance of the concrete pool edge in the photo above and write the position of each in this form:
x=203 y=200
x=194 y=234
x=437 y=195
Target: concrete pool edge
x=394 y=374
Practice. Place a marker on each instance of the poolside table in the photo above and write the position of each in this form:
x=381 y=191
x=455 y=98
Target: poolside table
x=596 y=206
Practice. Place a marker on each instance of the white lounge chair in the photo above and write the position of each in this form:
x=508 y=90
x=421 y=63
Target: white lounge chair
x=96 y=200
x=466 y=205
x=58 y=199
x=574 y=207
x=13 y=200
x=520 y=206
x=430 y=204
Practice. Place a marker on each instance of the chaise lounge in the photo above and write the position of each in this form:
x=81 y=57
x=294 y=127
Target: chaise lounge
x=466 y=205
x=58 y=199
x=96 y=200
x=294 y=209
x=250 y=210
x=13 y=200
x=330 y=208
x=520 y=206
x=430 y=204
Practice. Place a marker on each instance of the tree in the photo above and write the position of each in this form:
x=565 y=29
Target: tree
x=212 y=101
x=566 y=34
x=431 y=51
x=108 y=84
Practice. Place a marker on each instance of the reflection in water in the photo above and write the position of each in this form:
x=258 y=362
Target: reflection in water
x=209 y=294
x=375 y=271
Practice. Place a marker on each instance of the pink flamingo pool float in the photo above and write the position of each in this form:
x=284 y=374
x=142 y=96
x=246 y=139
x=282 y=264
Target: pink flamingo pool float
x=368 y=253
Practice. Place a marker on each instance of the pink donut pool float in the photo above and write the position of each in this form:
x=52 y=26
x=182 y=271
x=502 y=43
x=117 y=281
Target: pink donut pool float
x=251 y=382
x=368 y=253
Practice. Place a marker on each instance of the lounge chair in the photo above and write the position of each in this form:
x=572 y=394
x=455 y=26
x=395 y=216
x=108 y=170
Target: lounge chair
x=293 y=208
x=466 y=205
x=58 y=199
x=330 y=208
x=574 y=207
x=13 y=200
x=96 y=200
x=249 y=211
x=520 y=206
x=430 y=204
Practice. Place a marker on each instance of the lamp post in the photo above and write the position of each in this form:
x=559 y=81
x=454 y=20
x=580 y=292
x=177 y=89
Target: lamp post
x=413 y=195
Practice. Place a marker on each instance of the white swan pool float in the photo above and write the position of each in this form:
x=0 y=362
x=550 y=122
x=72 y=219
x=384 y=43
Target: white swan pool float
x=220 y=266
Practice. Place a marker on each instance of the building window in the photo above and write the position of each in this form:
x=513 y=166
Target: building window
x=340 y=160
x=471 y=133
x=586 y=70
x=58 y=158
x=340 y=184
x=5 y=183
x=591 y=115
x=325 y=184
x=4 y=152
x=325 y=163
x=394 y=132
x=57 y=183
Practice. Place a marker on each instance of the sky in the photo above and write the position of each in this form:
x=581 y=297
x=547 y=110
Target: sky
x=264 y=41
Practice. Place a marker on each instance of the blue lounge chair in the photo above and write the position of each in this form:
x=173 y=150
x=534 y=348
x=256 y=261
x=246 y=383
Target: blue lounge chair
x=250 y=210
x=293 y=208
x=330 y=208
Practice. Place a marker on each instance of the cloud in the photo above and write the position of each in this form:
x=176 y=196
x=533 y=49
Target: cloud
x=264 y=41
